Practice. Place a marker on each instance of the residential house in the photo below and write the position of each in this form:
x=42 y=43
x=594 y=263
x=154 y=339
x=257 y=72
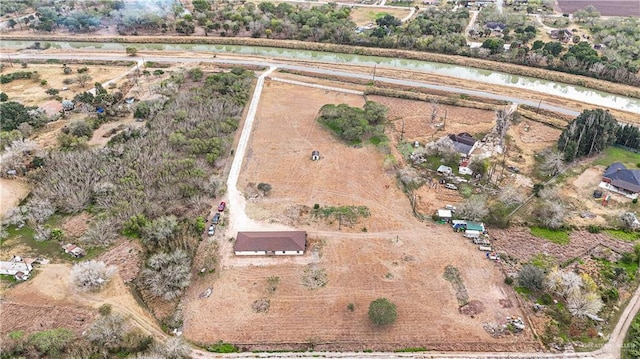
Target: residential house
x=270 y=243
x=618 y=178
x=464 y=143
x=495 y=26
x=18 y=268
x=73 y=250
x=563 y=35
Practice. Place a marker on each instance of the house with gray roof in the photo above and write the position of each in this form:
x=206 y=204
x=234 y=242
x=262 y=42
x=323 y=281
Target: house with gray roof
x=464 y=143
x=622 y=180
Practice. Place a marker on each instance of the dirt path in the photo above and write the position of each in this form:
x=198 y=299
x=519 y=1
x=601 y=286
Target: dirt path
x=12 y=191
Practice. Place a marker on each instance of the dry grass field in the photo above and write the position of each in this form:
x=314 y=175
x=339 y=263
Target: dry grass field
x=31 y=93
x=399 y=258
x=605 y=7
x=366 y=15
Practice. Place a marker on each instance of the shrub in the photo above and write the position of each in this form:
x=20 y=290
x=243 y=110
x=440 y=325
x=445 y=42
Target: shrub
x=382 y=312
x=531 y=277
x=3 y=97
x=167 y=274
x=222 y=347
x=91 y=275
x=508 y=280
x=594 y=229
x=351 y=307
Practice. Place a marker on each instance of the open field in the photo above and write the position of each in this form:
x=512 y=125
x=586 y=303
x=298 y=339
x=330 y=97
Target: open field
x=284 y=135
x=605 y=7
x=366 y=15
x=12 y=191
x=406 y=269
x=32 y=93
x=400 y=259
x=616 y=154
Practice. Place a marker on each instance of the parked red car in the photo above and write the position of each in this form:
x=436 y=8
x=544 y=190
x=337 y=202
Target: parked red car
x=222 y=206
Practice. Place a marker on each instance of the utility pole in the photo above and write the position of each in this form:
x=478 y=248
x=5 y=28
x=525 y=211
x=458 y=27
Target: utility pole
x=374 y=73
x=444 y=122
x=539 y=103
x=402 y=131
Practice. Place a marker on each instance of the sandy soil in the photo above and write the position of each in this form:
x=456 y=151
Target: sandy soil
x=48 y=301
x=32 y=93
x=12 y=191
x=527 y=139
x=367 y=15
x=406 y=269
x=399 y=258
x=280 y=155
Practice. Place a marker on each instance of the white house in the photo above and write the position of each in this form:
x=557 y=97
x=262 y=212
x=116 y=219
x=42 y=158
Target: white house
x=285 y=243
x=17 y=267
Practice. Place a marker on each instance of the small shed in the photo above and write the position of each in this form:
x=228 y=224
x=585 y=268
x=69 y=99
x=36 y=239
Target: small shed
x=315 y=155
x=73 y=250
x=445 y=214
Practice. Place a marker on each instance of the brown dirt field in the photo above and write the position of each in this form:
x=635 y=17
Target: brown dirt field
x=400 y=258
x=407 y=271
x=31 y=93
x=605 y=7
x=75 y=226
x=417 y=115
x=12 y=191
x=103 y=134
x=127 y=256
x=280 y=155
x=520 y=244
x=367 y=15
x=527 y=139
x=48 y=301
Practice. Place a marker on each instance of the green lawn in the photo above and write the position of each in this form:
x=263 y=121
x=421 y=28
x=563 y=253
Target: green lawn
x=622 y=235
x=615 y=154
x=555 y=236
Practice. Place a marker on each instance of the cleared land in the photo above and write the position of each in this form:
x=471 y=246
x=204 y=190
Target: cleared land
x=402 y=260
x=12 y=191
x=367 y=15
x=30 y=92
x=605 y=7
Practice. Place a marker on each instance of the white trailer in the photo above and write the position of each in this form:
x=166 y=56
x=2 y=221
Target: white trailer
x=484 y=248
x=472 y=234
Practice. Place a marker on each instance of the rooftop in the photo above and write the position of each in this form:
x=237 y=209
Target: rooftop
x=271 y=241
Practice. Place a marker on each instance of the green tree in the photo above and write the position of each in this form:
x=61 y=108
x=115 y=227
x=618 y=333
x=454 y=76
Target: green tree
x=13 y=114
x=590 y=133
x=531 y=277
x=3 y=97
x=382 y=312
x=495 y=46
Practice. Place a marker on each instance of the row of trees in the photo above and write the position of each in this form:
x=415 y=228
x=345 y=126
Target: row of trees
x=592 y=131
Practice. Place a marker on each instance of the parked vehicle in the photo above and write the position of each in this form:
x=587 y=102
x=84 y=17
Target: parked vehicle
x=482 y=241
x=484 y=248
x=451 y=186
x=469 y=233
x=450 y=207
x=222 y=206
x=212 y=230
x=216 y=218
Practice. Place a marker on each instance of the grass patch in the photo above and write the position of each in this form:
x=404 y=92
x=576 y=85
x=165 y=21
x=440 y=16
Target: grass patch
x=552 y=235
x=222 y=347
x=8 y=278
x=616 y=154
x=622 y=235
x=522 y=291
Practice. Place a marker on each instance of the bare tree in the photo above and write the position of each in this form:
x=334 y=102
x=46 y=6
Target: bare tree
x=531 y=277
x=160 y=231
x=39 y=210
x=510 y=195
x=435 y=108
x=43 y=233
x=108 y=332
x=551 y=214
x=174 y=348
x=167 y=274
x=101 y=233
x=503 y=120
x=91 y=275
x=629 y=219
x=25 y=129
x=553 y=163
x=17 y=155
x=82 y=79
x=582 y=304
x=474 y=208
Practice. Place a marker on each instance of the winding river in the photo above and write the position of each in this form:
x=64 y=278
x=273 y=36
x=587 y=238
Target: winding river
x=577 y=93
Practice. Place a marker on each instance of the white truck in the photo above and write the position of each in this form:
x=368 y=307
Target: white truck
x=472 y=234
x=482 y=240
x=484 y=248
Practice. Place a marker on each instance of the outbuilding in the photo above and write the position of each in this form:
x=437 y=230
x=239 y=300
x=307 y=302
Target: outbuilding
x=281 y=243
x=445 y=214
x=315 y=155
